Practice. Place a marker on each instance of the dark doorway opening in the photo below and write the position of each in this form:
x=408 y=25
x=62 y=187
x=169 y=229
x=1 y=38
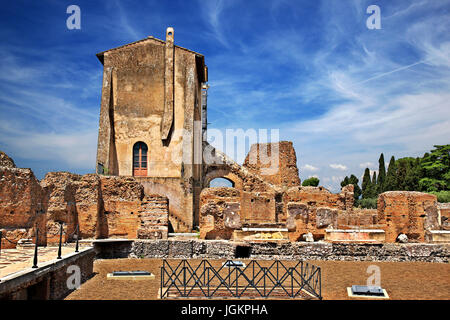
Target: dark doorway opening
x=39 y=291
x=243 y=252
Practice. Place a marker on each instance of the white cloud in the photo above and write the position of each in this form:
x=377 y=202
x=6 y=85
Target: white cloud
x=338 y=167
x=308 y=167
x=74 y=149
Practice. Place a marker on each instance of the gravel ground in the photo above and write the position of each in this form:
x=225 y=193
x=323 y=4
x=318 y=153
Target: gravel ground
x=402 y=280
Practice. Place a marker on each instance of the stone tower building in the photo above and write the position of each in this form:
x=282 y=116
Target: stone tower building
x=151 y=121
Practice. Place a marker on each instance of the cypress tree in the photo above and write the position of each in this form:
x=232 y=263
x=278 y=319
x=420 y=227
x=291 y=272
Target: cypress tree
x=366 y=185
x=401 y=173
x=374 y=193
x=391 y=177
x=381 y=174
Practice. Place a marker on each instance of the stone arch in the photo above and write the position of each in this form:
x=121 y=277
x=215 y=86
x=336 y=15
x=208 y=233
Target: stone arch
x=223 y=178
x=225 y=174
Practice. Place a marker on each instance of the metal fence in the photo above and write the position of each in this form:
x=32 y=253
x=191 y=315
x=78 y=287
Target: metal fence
x=75 y=235
x=277 y=280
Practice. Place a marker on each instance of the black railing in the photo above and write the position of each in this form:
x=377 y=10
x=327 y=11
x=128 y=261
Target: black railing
x=75 y=234
x=181 y=279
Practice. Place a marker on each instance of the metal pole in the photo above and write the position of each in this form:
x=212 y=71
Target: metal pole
x=237 y=283
x=1 y=243
x=60 y=240
x=35 y=259
x=78 y=237
x=320 y=284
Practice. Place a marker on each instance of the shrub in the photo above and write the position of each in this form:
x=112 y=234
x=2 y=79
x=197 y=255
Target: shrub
x=442 y=196
x=312 y=182
x=369 y=203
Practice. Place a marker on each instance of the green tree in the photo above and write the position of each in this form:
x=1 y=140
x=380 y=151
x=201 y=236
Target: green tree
x=356 y=190
x=412 y=177
x=402 y=169
x=381 y=174
x=436 y=169
x=366 y=185
x=312 y=182
x=345 y=182
x=374 y=191
x=355 y=182
x=391 y=176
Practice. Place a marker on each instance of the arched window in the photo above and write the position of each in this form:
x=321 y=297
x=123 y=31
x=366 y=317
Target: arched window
x=140 y=159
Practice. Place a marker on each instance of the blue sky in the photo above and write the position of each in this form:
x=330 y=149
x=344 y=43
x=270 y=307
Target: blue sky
x=312 y=69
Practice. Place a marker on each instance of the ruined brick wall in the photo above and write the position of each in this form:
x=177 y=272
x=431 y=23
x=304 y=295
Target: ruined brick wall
x=21 y=204
x=88 y=206
x=6 y=161
x=258 y=208
x=121 y=200
x=220 y=213
x=275 y=162
x=180 y=199
x=444 y=212
x=59 y=193
x=102 y=206
x=153 y=217
x=300 y=209
x=313 y=209
x=359 y=219
x=408 y=212
x=220 y=165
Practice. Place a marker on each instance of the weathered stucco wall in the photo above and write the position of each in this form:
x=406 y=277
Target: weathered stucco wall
x=152 y=93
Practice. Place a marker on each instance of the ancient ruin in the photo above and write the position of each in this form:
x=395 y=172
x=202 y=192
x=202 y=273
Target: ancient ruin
x=154 y=168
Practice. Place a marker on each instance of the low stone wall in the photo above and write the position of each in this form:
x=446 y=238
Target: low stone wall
x=217 y=249
x=49 y=280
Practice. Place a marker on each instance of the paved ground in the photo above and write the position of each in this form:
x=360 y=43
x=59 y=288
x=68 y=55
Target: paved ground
x=14 y=260
x=402 y=280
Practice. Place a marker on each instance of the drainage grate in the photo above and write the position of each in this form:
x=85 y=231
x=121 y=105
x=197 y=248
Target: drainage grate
x=367 y=292
x=131 y=273
x=233 y=264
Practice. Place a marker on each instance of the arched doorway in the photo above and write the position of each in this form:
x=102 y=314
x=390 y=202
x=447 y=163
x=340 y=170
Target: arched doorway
x=140 y=151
